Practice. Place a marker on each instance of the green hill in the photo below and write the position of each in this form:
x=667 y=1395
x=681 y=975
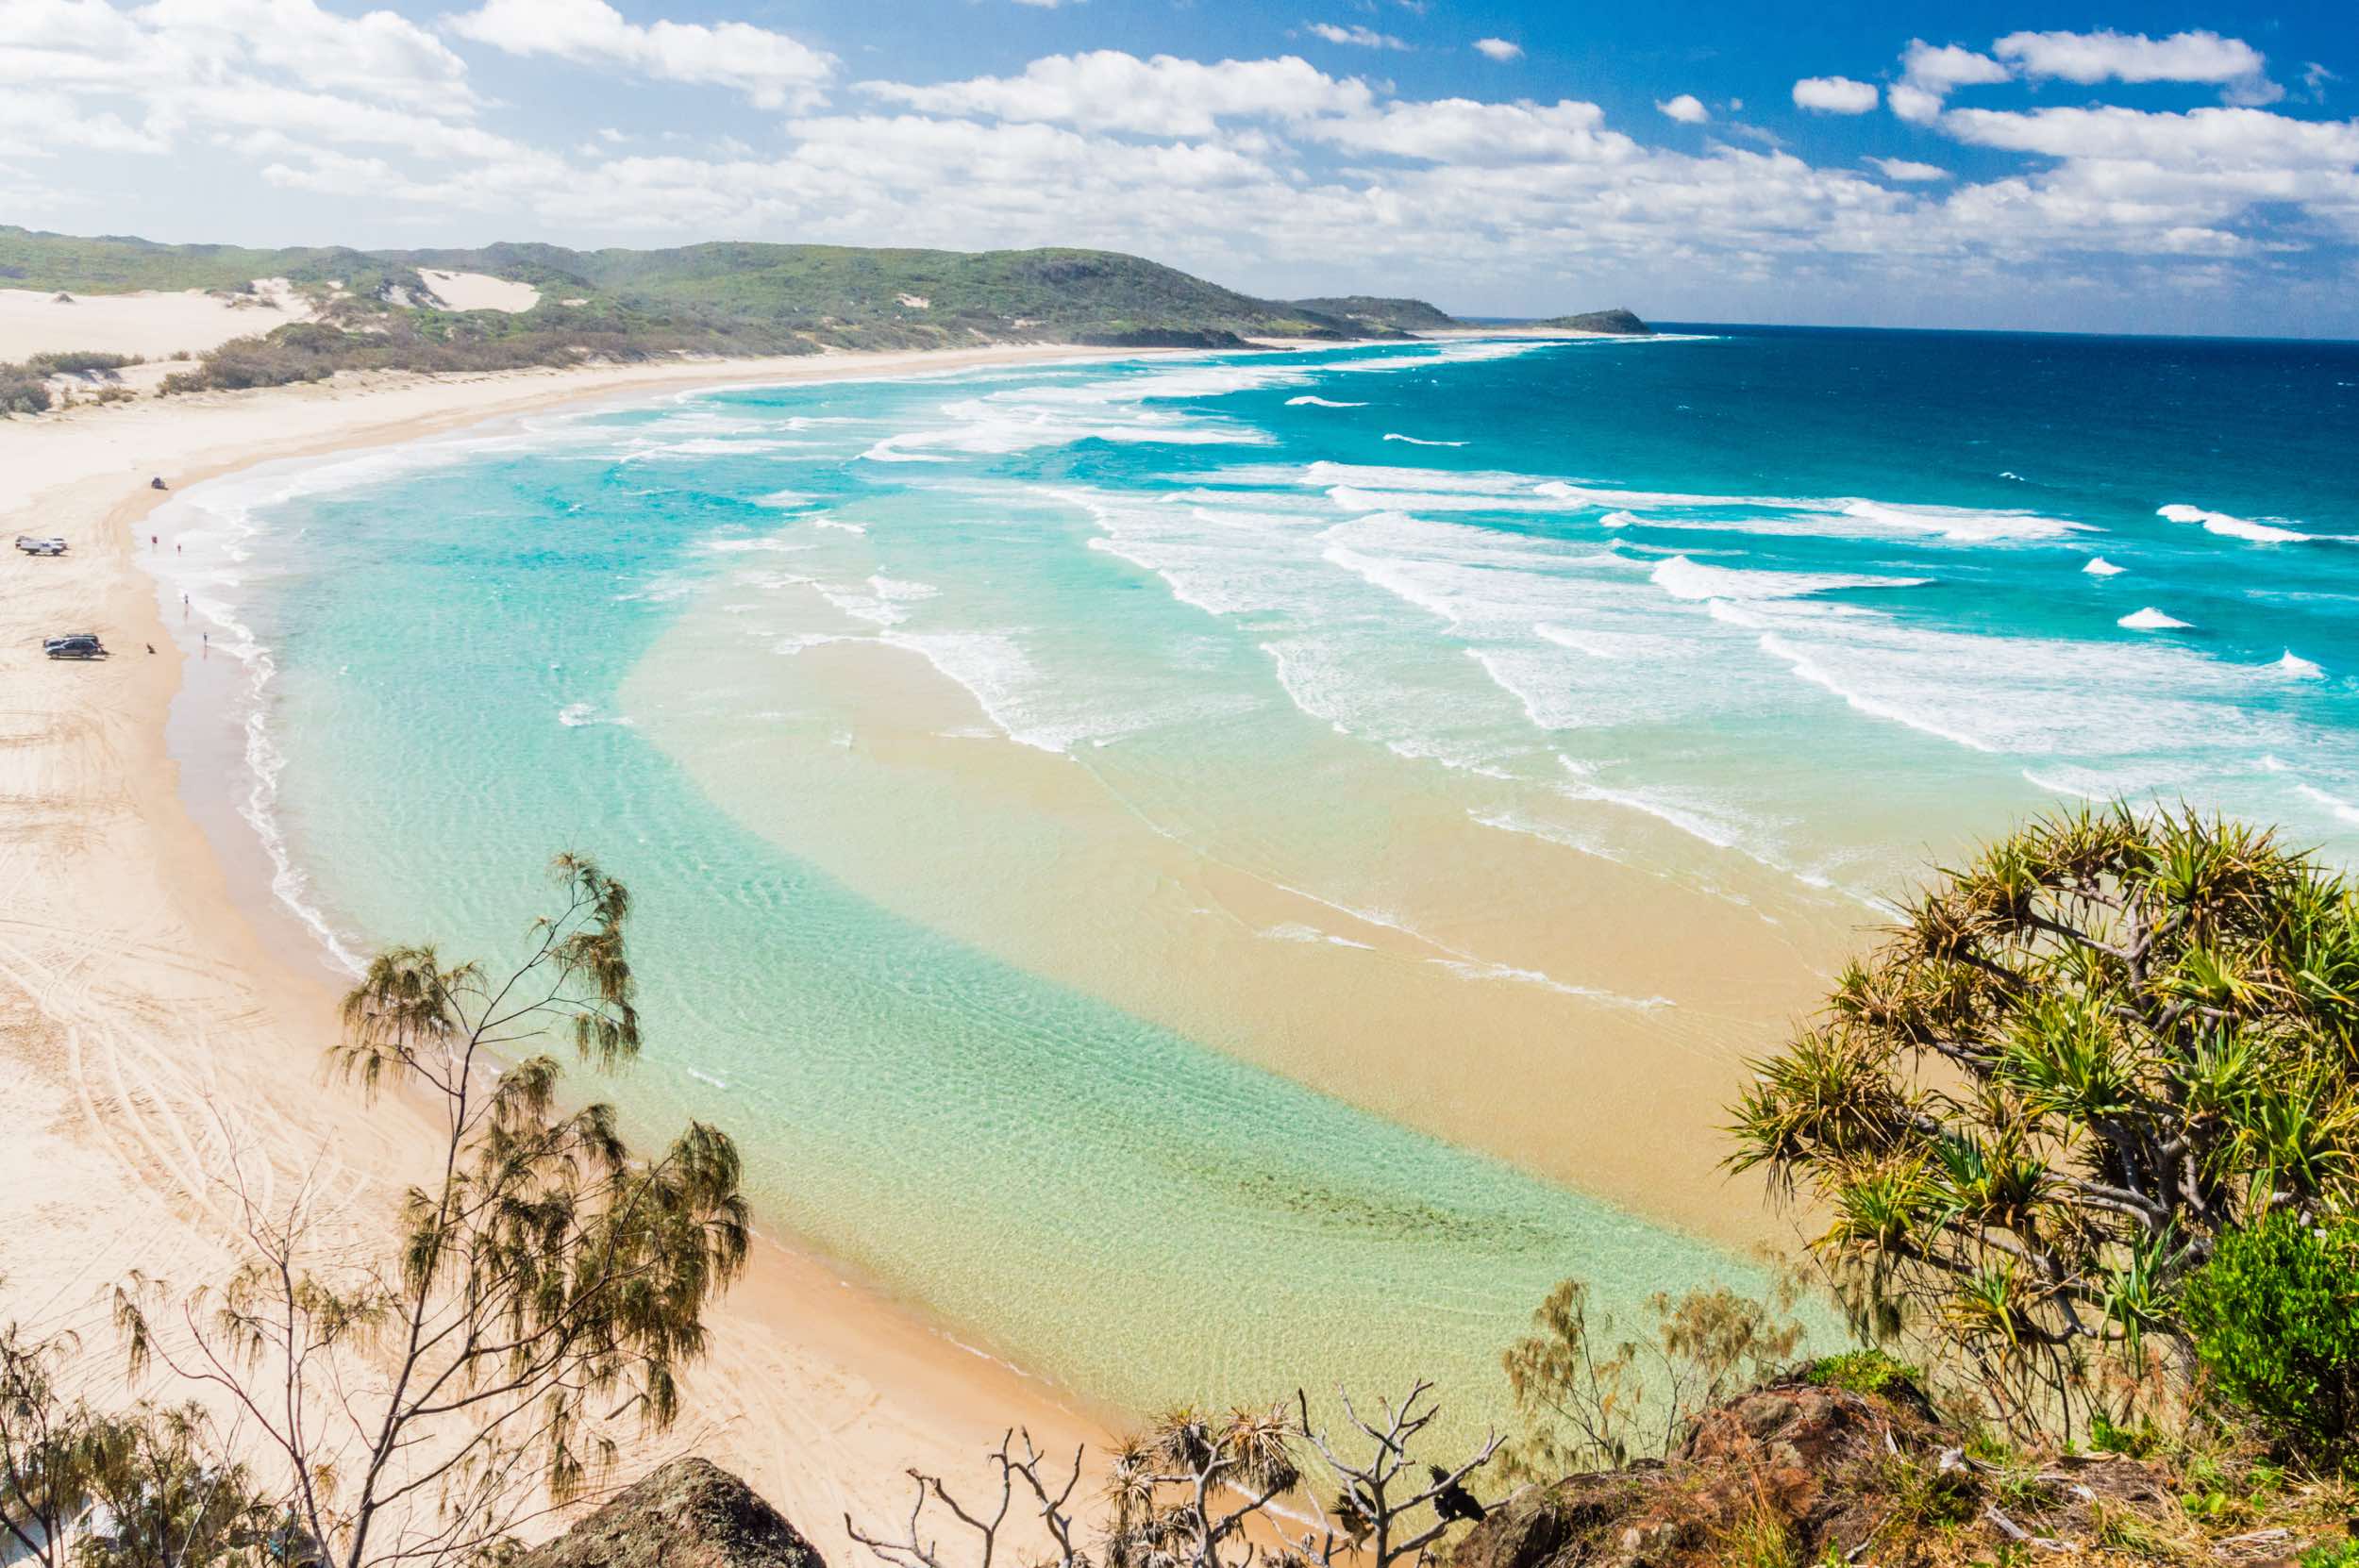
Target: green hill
x=728 y=295
x=1617 y=321
x=1402 y=316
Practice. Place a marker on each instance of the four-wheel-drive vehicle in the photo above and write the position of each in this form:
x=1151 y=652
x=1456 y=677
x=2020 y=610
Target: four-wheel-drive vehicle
x=32 y=547
x=75 y=644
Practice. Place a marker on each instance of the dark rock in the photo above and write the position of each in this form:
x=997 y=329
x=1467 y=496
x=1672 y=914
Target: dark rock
x=690 y=1513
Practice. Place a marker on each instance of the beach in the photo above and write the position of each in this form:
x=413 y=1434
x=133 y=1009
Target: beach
x=157 y=1057
x=1124 y=845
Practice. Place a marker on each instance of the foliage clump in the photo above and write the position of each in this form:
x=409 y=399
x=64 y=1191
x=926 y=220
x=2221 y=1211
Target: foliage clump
x=1588 y=1400
x=24 y=390
x=80 y=361
x=2275 y=1316
x=1869 y=1370
x=547 y=1284
x=2078 y=1065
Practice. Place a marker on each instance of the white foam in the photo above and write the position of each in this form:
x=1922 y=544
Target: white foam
x=2342 y=809
x=1419 y=441
x=2230 y=527
x=1477 y=969
x=2297 y=668
x=2149 y=619
x=772 y=545
x=2099 y=567
x=1875 y=706
x=2056 y=786
x=1683 y=578
x=784 y=500
x=1307 y=401
x=1963 y=525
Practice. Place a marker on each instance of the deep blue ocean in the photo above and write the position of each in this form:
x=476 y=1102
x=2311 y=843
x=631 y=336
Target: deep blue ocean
x=1219 y=872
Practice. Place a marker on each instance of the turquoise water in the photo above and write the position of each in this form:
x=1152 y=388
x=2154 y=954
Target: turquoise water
x=1412 y=635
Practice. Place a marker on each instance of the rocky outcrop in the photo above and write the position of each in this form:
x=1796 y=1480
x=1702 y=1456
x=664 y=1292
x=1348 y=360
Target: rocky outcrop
x=691 y=1513
x=1793 y=1455
x=1617 y=321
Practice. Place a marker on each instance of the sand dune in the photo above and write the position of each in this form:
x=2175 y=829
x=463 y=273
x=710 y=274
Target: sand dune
x=153 y=325
x=480 y=291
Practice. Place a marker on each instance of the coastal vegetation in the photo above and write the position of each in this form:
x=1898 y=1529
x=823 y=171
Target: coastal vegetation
x=1617 y=323
x=24 y=390
x=378 y=311
x=2083 y=1133
x=2081 y=1066
x=544 y=1290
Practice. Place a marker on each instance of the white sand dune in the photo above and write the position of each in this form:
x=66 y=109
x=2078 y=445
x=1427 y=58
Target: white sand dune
x=480 y=291
x=153 y=325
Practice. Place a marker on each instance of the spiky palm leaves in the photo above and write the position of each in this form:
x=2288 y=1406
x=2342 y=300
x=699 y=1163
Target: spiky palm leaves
x=2077 y=1061
x=1189 y=1482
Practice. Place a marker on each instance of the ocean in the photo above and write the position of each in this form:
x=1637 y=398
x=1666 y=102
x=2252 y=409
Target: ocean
x=1217 y=874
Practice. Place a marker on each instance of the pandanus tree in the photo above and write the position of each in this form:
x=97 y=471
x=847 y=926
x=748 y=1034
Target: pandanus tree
x=2075 y=1064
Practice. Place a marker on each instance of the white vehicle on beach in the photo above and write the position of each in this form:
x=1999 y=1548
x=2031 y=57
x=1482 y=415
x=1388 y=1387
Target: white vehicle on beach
x=32 y=547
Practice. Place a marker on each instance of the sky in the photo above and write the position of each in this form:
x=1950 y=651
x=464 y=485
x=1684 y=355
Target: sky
x=2167 y=166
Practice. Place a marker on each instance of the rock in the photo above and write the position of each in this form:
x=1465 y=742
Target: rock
x=690 y=1513
x=1617 y=321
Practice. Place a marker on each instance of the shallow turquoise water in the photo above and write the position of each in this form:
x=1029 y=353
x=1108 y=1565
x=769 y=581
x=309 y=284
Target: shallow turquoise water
x=1805 y=603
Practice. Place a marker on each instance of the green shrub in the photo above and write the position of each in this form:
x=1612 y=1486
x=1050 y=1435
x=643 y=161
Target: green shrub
x=1860 y=1371
x=22 y=391
x=2332 y=1553
x=80 y=361
x=2139 y=1442
x=2275 y=1317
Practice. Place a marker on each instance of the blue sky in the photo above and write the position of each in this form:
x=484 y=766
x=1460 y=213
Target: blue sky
x=2165 y=167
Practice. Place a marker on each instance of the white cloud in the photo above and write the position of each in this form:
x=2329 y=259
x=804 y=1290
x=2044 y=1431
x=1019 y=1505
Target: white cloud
x=1254 y=171
x=1498 y=49
x=1834 y=94
x=1469 y=132
x=1914 y=103
x=92 y=75
x=2092 y=57
x=1109 y=89
x=770 y=68
x=1938 y=70
x=1366 y=38
x=2248 y=139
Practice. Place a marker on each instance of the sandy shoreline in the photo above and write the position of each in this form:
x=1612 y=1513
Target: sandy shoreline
x=167 y=1013
x=152 y=1042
